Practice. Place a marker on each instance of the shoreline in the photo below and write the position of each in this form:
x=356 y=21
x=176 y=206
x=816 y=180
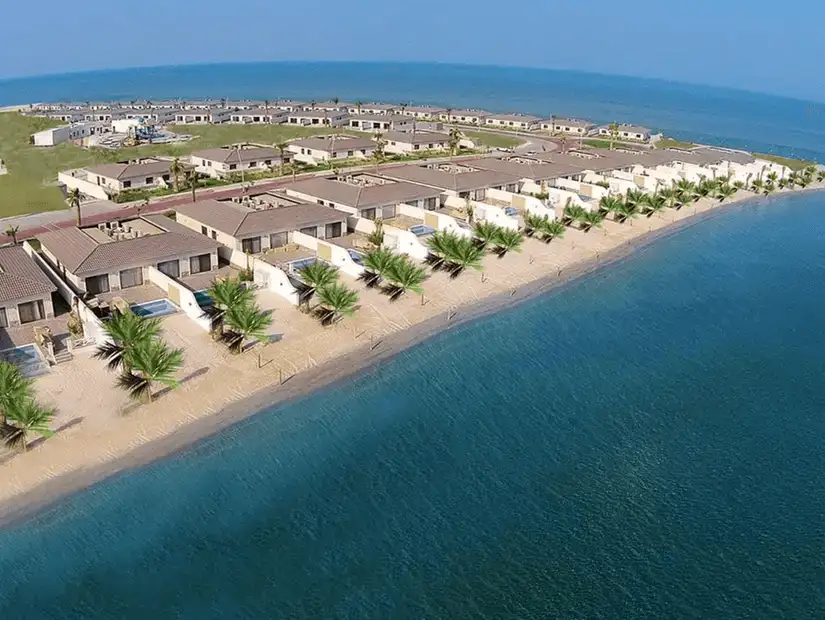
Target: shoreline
x=18 y=508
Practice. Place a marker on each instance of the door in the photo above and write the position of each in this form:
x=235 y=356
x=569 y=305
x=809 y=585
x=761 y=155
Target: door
x=332 y=230
x=200 y=263
x=4 y=321
x=31 y=311
x=95 y=285
x=170 y=267
x=131 y=277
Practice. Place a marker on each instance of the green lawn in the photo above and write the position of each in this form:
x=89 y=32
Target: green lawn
x=31 y=184
x=598 y=144
x=493 y=140
x=672 y=143
x=793 y=164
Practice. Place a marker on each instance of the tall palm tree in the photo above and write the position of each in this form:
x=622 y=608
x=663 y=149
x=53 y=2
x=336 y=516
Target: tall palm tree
x=74 y=198
x=176 y=169
x=613 y=128
x=246 y=321
x=152 y=362
x=23 y=419
x=377 y=265
x=225 y=293
x=358 y=105
x=463 y=254
x=336 y=301
x=485 y=233
x=12 y=231
x=314 y=277
x=282 y=146
x=507 y=240
x=378 y=153
x=128 y=332
x=404 y=276
x=454 y=140
x=192 y=183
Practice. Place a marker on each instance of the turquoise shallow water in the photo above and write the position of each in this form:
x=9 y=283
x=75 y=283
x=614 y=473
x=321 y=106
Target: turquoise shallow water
x=647 y=443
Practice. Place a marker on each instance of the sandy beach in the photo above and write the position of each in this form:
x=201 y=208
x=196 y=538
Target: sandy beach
x=101 y=433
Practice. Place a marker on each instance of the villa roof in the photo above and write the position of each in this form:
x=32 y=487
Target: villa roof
x=20 y=277
x=424 y=109
x=458 y=182
x=260 y=112
x=570 y=122
x=479 y=113
x=325 y=143
x=519 y=118
x=229 y=155
x=419 y=137
x=239 y=221
x=381 y=118
x=318 y=113
x=628 y=127
x=528 y=168
x=360 y=197
x=83 y=255
x=130 y=170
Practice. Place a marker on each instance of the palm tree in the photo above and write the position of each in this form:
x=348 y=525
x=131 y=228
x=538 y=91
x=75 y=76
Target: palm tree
x=609 y=204
x=685 y=192
x=12 y=231
x=176 y=169
x=378 y=153
x=724 y=192
x=23 y=419
x=245 y=321
x=485 y=233
x=758 y=185
x=336 y=301
x=507 y=240
x=377 y=265
x=820 y=175
x=572 y=213
x=613 y=128
x=282 y=146
x=192 y=183
x=741 y=185
x=589 y=219
x=152 y=362
x=14 y=386
x=551 y=229
x=670 y=196
x=633 y=201
x=463 y=254
x=127 y=332
x=225 y=293
x=314 y=277
x=403 y=276
x=74 y=197
x=454 y=140
x=358 y=105
x=439 y=244
x=654 y=203
x=376 y=237
x=773 y=178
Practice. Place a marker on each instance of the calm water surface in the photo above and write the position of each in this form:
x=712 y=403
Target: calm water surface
x=647 y=443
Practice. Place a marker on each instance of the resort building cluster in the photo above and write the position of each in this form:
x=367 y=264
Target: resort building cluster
x=58 y=294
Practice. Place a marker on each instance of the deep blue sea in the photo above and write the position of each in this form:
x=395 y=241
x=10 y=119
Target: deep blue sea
x=756 y=122
x=647 y=443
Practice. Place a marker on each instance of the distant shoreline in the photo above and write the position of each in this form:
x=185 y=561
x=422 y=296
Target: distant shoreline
x=49 y=495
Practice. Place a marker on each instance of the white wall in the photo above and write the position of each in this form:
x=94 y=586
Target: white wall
x=485 y=212
x=590 y=190
x=402 y=241
x=329 y=252
x=85 y=187
x=182 y=293
x=433 y=219
x=264 y=275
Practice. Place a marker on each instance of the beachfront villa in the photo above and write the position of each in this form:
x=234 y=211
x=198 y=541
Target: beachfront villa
x=319 y=117
x=365 y=195
x=25 y=291
x=568 y=126
x=220 y=162
x=374 y=109
x=95 y=260
x=269 y=221
x=320 y=149
x=524 y=122
x=468 y=117
x=380 y=122
x=198 y=116
x=401 y=143
x=626 y=132
x=260 y=116
x=424 y=112
x=453 y=179
x=105 y=180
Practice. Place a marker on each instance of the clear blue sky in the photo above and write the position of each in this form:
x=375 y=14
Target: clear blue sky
x=737 y=43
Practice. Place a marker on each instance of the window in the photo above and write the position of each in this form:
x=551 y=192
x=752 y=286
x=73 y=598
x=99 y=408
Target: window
x=430 y=204
x=95 y=285
x=350 y=153
x=149 y=180
x=215 y=234
x=416 y=147
x=332 y=230
x=200 y=263
x=277 y=240
x=165 y=177
x=252 y=245
x=312 y=231
x=203 y=231
x=131 y=277
x=170 y=267
x=233 y=166
x=388 y=212
x=368 y=214
x=268 y=162
x=127 y=184
x=4 y=321
x=31 y=311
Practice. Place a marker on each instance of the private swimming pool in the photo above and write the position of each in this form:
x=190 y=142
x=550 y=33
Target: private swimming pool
x=203 y=298
x=420 y=230
x=158 y=307
x=296 y=265
x=27 y=358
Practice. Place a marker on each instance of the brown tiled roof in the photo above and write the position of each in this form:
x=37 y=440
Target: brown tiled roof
x=359 y=197
x=231 y=155
x=130 y=171
x=20 y=277
x=460 y=182
x=238 y=221
x=341 y=144
x=81 y=254
x=419 y=137
x=534 y=169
